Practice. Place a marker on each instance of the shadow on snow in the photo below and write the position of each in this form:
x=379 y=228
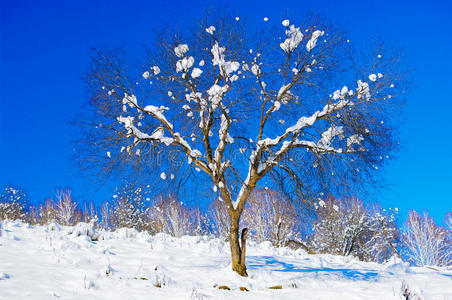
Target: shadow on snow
x=259 y=262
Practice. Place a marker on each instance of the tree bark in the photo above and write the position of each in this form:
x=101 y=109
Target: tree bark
x=237 y=252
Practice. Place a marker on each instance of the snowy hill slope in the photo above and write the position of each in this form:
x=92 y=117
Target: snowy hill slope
x=53 y=262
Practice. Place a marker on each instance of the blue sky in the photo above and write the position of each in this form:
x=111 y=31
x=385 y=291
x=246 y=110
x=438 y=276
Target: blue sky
x=43 y=55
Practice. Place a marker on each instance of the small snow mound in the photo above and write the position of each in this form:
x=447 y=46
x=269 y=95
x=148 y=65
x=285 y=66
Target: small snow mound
x=53 y=227
x=83 y=229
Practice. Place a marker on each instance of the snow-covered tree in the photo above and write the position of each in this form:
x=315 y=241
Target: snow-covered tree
x=129 y=207
x=217 y=111
x=426 y=243
x=348 y=227
x=13 y=204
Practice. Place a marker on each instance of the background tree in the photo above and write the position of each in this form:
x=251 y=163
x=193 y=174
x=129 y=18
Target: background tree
x=349 y=227
x=272 y=218
x=217 y=111
x=425 y=243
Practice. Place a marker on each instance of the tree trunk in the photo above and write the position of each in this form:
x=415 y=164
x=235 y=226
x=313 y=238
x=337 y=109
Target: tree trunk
x=237 y=252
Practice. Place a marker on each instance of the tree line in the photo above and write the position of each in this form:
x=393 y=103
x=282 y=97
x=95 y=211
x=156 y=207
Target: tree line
x=346 y=227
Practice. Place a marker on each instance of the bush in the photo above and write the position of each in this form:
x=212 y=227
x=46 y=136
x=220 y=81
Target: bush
x=13 y=204
x=347 y=227
x=128 y=209
x=425 y=243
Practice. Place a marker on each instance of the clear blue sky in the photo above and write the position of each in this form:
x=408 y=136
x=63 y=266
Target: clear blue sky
x=44 y=46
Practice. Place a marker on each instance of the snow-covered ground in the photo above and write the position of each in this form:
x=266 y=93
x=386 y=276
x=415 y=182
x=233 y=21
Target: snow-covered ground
x=46 y=262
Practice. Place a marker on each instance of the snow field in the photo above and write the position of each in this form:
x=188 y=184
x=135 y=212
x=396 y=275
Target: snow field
x=47 y=262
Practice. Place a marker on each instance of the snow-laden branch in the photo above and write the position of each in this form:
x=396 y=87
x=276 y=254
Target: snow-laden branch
x=158 y=134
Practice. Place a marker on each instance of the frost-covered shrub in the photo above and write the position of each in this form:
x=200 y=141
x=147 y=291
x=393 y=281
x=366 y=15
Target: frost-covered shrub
x=426 y=243
x=347 y=227
x=270 y=217
x=128 y=209
x=13 y=204
x=172 y=217
x=84 y=229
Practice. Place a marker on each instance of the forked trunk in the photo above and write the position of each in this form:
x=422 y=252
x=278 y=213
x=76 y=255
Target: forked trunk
x=237 y=252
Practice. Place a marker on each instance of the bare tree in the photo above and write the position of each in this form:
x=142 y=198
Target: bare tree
x=172 y=217
x=66 y=208
x=272 y=218
x=426 y=243
x=220 y=112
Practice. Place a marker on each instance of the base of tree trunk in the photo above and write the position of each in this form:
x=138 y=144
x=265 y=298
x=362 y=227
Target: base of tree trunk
x=240 y=269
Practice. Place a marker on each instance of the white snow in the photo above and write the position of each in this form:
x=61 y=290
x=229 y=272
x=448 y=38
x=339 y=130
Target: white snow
x=372 y=77
x=216 y=93
x=196 y=72
x=314 y=37
x=210 y=30
x=354 y=139
x=294 y=38
x=255 y=69
x=184 y=64
x=156 y=70
x=180 y=50
x=363 y=90
x=50 y=262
